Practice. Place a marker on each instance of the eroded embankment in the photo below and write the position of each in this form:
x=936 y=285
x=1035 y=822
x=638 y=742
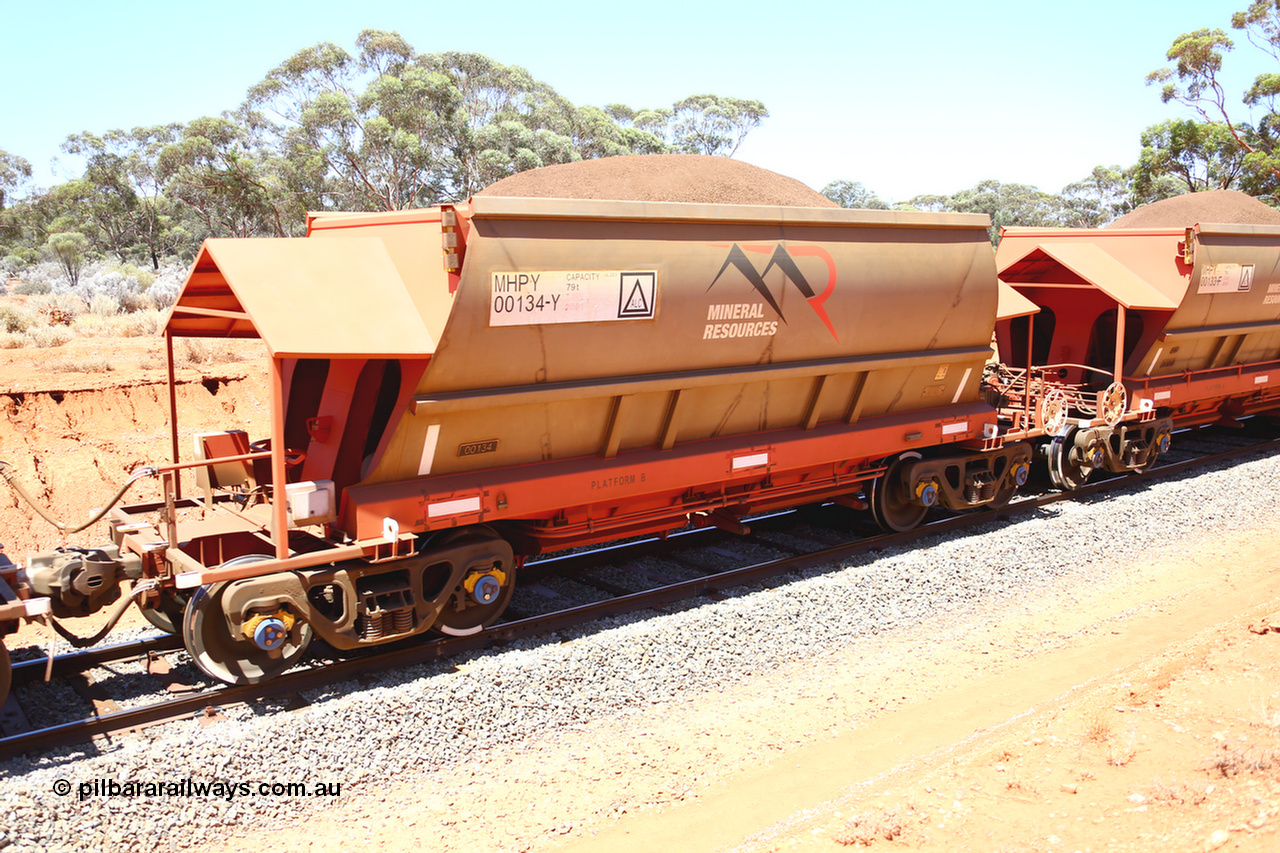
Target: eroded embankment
x=72 y=449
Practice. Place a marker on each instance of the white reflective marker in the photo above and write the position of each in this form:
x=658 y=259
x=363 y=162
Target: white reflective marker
x=963 y=381
x=755 y=460
x=456 y=507
x=429 y=450
x=187 y=580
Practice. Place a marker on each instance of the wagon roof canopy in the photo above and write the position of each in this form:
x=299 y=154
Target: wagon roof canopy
x=1010 y=303
x=1043 y=262
x=304 y=298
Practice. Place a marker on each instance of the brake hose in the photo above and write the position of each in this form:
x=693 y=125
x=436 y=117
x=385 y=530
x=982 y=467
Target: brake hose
x=6 y=471
x=121 y=606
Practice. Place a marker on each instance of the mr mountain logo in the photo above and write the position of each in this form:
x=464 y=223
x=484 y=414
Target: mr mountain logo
x=783 y=258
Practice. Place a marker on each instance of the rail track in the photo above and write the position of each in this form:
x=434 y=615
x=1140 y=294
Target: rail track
x=827 y=542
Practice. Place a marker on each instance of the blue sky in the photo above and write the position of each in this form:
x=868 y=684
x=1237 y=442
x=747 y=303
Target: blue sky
x=909 y=98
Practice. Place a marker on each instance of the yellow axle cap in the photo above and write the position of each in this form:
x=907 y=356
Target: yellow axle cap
x=251 y=624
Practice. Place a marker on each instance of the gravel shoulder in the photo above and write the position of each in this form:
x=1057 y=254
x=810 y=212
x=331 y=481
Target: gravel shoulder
x=1143 y=716
x=1081 y=678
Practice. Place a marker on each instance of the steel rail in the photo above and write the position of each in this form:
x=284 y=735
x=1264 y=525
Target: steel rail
x=32 y=670
x=26 y=672
x=423 y=652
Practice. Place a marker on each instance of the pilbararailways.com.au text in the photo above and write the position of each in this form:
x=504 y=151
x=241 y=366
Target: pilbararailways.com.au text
x=213 y=788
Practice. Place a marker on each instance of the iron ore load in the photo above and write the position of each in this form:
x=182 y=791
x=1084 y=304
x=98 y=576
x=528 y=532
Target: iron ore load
x=458 y=389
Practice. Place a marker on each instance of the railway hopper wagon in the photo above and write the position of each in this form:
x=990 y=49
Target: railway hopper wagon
x=457 y=389
x=1137 y=332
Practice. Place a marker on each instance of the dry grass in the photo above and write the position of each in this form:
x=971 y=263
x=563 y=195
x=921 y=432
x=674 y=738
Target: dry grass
x=44 y=337
x=197 y=351
x=1233 y=762
x=27 y=323
x=14 y=319
x=1180 y=794
x=138 y=324
x=1120 y=754
x=862 y=830
x=1097 y=728
x=83 y=366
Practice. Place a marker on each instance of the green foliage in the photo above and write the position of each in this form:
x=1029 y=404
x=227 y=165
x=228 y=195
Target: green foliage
x=14 y=172
x=232 y=186
x=382 y=128
x=390 y=128
x=32 y=288
x=1196 y=155
x=126 y=191
x=68 y=248
x=1092 y=202
x=1200 y=157
x=13 y=263
x=853 y=194
x=710 y=124
x=1006 y=204
x=144 y=278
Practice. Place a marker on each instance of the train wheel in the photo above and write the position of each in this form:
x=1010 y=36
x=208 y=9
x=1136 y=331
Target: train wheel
x=1066 y=475
x=6 y=673
x=891 y=503
x=167 y=615
x=231 y=659
x=480 y=599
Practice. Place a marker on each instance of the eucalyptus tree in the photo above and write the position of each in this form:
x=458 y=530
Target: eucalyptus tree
x=853 y=194
x=69 y=249
x=392 y=128
x=126 y=191
x=369 y=124
x=713 y=124
x=15 y=172
x=506 y=122
x=389 y=127
x=1006 y=204
x=1194 y=80
x=232 y=186
x=1093 y=201
x=1191 y=156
